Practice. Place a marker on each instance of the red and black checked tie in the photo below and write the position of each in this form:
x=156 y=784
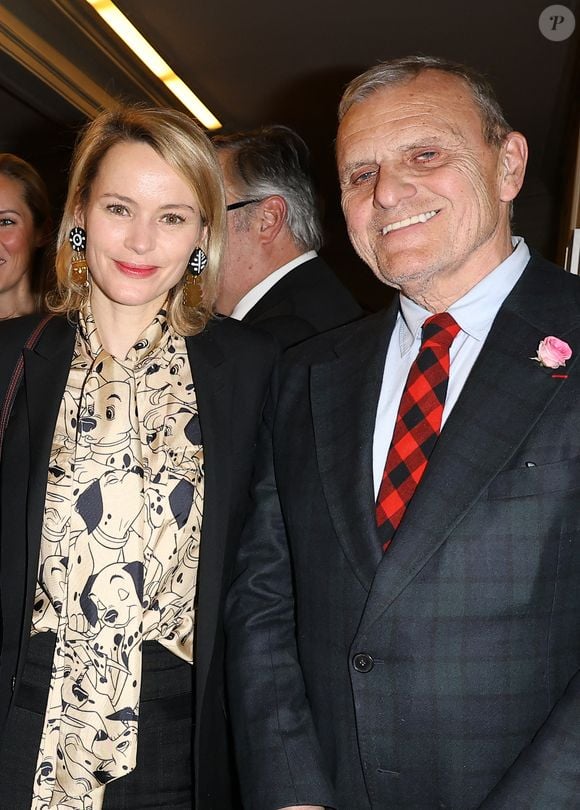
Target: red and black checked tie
x=418 y=423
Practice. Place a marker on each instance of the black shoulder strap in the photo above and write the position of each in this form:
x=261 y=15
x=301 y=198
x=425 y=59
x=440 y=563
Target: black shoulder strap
x=16 y=378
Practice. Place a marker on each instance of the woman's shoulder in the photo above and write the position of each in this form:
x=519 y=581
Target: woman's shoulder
x=12 y=330
x=14 y=333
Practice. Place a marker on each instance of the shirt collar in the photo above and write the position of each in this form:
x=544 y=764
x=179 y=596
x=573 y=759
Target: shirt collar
x=476 y=310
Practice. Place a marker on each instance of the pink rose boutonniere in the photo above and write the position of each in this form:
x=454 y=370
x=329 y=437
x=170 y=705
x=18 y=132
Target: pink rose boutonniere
x=553 y=352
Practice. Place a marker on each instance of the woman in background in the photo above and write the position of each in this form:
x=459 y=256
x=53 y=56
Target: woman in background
x=25 y=273
x=123 y=486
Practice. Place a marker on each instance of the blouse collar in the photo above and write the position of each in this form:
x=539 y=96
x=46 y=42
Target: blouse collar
x=150 y=342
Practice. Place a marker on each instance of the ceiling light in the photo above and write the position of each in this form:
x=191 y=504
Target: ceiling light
x=134 y=40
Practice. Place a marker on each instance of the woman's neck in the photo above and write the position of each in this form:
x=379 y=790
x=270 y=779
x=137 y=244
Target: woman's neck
x=15 y=302
x=120 y=325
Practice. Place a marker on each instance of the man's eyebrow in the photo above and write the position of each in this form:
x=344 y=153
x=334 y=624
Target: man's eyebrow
x=417 y=143
x=422 y=143
x=427 y=140
x=435 y=140
x=355 y=164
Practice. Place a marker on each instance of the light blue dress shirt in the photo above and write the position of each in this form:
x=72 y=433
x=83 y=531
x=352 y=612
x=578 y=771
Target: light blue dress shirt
x=475 y=313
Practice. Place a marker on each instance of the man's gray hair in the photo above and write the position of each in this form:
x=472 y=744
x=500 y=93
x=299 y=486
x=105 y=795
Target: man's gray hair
x=275 y=160
x=397 y=71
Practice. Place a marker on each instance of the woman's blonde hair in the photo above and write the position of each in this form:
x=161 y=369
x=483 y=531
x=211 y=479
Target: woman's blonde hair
x=185 y=147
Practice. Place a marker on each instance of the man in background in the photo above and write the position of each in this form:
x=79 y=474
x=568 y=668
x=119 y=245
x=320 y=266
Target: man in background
x=273 y=277
x=404 y=629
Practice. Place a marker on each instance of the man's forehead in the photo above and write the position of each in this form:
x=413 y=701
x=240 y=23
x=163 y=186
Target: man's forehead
x=408 y=112
x=435 y=85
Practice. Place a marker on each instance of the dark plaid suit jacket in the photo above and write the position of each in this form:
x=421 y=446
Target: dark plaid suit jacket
x=444 y=674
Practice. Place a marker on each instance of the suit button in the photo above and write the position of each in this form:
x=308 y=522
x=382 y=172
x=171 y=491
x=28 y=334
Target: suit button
x=362 y=662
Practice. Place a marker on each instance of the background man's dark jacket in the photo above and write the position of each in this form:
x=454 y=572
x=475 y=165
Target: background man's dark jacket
x=308 y=300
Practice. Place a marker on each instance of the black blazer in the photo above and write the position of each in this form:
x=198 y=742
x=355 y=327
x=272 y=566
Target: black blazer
x=231 y=365
x=308 y=300
x=446 y=672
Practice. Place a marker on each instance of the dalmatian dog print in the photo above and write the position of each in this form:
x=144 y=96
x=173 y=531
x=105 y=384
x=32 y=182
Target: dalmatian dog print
x=120 y=551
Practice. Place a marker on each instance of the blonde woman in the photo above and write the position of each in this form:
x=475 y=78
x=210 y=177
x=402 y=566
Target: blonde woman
x=123 y=484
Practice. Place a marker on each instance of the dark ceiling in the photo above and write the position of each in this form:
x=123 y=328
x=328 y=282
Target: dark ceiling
x=259 y=62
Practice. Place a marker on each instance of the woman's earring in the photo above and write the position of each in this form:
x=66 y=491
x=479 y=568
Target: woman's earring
x=78 y=264
x=192 y=292
x=197 y=262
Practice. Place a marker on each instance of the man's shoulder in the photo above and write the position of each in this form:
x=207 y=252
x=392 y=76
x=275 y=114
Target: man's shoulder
x=237 y=338
x=317 y=272
x=551 y=271
x=546 y=285
x=308 y=300
x=360 y=335
x=316 y=267
x=310 y=275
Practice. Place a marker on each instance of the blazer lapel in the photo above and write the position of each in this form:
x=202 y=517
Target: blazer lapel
x=344 y=395
x=210 y=369
x=503 y=399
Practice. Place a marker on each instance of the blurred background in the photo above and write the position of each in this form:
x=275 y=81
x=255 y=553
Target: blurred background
x=265 y=62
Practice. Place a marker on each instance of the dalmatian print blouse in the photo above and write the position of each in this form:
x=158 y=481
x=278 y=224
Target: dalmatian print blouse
x=119 y=551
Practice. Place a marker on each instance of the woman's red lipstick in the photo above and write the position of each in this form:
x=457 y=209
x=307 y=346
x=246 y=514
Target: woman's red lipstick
x=136 y=270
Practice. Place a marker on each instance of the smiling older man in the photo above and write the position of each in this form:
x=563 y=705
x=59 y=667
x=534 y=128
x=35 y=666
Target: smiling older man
x=404 y=630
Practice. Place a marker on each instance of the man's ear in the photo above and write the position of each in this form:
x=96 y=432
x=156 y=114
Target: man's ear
x=513 y=159
x=271 y=218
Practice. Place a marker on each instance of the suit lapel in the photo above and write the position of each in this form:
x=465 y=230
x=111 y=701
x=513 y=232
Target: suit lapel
x=506 y=394
x=344 y=395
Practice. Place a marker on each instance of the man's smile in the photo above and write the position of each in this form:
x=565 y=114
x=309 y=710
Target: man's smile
x=404 y=223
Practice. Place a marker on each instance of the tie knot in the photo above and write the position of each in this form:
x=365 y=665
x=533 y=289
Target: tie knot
x=439 y=330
